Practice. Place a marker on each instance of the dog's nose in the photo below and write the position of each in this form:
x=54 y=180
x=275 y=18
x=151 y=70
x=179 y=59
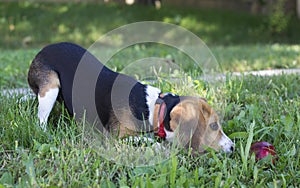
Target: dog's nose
x=231 y=149
x=226 y=144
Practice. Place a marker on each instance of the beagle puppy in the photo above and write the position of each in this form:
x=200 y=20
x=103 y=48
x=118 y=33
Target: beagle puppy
x=189 y=120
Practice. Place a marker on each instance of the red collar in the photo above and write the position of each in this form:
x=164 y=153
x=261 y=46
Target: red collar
x=158 y=120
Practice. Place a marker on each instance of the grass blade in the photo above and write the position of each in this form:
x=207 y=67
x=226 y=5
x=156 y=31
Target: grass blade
x=245 y=152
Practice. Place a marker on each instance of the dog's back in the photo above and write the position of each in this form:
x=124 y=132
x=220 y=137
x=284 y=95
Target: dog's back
x=54 y=73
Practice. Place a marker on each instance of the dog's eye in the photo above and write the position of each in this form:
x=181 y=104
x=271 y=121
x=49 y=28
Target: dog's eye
x=214 y=126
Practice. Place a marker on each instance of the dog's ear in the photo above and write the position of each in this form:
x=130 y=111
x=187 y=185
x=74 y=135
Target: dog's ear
x=185 y=123
x=203 y=99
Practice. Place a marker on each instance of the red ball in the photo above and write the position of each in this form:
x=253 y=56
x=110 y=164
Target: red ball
x=263 y=149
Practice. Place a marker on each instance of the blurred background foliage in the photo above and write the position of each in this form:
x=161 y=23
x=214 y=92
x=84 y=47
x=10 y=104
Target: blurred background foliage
x=30 y=24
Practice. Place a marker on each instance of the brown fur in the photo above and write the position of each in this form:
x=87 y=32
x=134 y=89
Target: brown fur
x=41 y=78
x=123 y=125
x=52 y=82
x=191 y=119
x=155 y=117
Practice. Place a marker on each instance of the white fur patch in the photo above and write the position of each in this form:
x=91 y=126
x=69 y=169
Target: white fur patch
x=45 y=106
x=226 y=144
x=152 y=95
x=169 y=135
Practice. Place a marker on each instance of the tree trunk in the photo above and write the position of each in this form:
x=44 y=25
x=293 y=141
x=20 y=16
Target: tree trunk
x=298 y=8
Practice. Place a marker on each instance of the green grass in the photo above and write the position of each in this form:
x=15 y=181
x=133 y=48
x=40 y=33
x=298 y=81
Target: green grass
x=31 y=24
x=62 y=157
x=231 y=58
x=252 y=108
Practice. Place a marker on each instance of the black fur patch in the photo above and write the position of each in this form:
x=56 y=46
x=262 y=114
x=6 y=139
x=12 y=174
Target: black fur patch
x=138 y=102
x=171 y=101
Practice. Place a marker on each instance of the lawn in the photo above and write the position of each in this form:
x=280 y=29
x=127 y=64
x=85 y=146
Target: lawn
x=30 y=24
x=252 y=108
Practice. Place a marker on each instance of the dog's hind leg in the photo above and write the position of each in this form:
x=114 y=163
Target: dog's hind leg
x=47 y=96
x=45 y=84
x=46 y=103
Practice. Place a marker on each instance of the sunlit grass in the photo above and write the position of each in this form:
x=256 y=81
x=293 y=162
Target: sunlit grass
x=257 y=57
x=14 y=64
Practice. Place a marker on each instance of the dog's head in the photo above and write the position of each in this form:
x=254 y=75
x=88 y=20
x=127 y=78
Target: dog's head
x=197 y=125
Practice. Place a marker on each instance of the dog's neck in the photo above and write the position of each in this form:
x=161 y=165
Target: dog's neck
x=159 y=113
